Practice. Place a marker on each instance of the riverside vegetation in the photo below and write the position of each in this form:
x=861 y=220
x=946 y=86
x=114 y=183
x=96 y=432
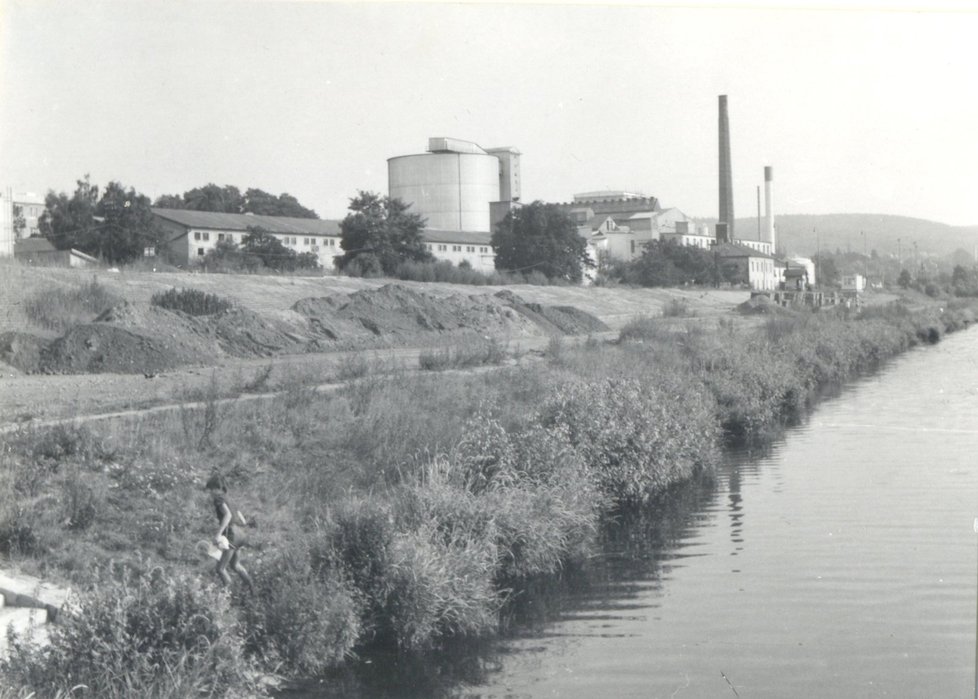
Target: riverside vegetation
x=397 y=513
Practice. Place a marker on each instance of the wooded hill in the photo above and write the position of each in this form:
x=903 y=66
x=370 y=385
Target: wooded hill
x=801 y=233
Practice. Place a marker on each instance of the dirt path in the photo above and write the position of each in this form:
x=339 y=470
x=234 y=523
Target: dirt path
x=44 y=401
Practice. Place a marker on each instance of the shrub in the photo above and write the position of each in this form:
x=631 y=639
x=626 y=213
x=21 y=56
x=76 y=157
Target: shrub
x=155 y=635
x=676 y=308
x=468 y=351
x=636 y=438
x=191 y=301
x=61 y=309
x=301 y=619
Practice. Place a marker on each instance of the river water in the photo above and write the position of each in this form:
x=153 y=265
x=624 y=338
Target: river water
x=839 y=563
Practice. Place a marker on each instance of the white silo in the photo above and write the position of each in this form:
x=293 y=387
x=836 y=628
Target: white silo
x=450 y=186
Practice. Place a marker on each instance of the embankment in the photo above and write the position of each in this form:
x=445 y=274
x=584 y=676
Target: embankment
x=404 y=506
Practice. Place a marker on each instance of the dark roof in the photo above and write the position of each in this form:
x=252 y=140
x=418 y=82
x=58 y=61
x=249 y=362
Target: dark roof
x=434 y=235
x=791 y=272
x=29 y=245
x=735 y=250
x=241 y=222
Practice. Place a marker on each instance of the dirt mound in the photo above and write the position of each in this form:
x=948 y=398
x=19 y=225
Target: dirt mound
x=397 y=313
x=22 y=350
x=102 y=347
x=147 y=339
x=553 y=320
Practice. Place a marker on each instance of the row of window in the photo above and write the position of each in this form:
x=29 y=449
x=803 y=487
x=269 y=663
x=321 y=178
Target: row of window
x=286 y=240
x=455 y=248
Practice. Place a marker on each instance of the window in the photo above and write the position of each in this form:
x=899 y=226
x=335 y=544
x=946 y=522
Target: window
x=456 y=248
x=200 y=252
x=483 y=249
x=632 y=246
x=196 y=235
x=442 y=248
x=470 y=248
x=205 y=235
x=332 y=243
x=220 y=236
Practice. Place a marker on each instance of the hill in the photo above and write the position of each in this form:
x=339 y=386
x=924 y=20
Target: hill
x=888 y=235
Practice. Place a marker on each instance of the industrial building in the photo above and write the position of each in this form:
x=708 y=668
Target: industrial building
x=457 y=185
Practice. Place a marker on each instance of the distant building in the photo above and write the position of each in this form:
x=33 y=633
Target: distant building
x=40 y=252
x=748 y=266
x=853 y=283
x=31 y=208
x=192 y=234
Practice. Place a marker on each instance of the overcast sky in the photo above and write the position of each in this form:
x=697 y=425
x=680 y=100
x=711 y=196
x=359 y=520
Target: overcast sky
x=871 y=111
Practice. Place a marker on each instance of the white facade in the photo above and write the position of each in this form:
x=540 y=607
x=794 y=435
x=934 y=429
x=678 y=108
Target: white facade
x=6 y=224
x=854 y=282
x=32 y=207
x=461 y=246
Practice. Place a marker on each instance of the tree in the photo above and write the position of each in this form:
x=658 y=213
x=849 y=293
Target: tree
x=229 y=200
x=20 y=223
x=670 y=264
x=904 y=280
x=66 y=218
x=380 y=233
x=128 y=228
x=541 y=237
x=273 y=254
x=260 y=202
x=125 y=229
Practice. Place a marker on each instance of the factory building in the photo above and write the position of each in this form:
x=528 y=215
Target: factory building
x=455 y=183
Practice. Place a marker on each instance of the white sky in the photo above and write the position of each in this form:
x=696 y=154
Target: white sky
x=873 y=110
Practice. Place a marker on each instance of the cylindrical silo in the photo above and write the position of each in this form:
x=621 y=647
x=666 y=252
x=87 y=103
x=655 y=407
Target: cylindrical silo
x=452 y=190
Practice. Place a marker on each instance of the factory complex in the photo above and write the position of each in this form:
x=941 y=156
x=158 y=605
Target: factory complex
x=463 y=191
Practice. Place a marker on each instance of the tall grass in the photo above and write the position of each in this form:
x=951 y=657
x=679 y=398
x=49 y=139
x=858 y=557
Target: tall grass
x=60 y=309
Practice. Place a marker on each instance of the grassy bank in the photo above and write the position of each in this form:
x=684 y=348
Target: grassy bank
x=400 y=511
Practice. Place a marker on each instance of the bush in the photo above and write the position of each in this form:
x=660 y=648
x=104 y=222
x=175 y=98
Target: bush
x=61 y=309
x=302 y=618
x=152 y=636
x=636 y=438
x=466 y=352
x=193 y=302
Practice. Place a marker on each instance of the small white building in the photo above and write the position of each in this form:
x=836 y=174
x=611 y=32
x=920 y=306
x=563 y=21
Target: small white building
x=853 y=283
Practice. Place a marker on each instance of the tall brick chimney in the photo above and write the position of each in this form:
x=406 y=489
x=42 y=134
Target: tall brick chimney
x=726 y=213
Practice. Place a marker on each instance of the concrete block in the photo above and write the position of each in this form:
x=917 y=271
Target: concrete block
x=23 y=620
x=20 y=590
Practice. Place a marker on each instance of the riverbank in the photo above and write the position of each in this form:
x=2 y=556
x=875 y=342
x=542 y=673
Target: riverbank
x=406 y=506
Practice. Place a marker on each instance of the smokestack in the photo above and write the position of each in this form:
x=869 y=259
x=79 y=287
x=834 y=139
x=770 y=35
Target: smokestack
x=726 y=214
x=769 y=205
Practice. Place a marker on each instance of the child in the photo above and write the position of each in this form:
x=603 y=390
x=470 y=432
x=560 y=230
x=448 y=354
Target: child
x=217 y=487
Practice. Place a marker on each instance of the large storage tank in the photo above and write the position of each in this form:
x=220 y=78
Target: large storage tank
x=451 y=189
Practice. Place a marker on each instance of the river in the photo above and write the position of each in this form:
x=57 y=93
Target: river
x=841 y=562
